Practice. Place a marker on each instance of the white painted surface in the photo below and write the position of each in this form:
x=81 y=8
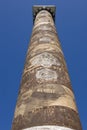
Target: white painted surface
x=48 y=128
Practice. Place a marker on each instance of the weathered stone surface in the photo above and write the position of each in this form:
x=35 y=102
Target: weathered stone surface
x=53 y=115
x=45 y=96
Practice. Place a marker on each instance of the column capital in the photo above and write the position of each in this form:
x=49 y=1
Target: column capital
x=50 y=8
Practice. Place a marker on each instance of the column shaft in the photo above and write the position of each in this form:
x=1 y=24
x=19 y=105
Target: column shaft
x=46 y=100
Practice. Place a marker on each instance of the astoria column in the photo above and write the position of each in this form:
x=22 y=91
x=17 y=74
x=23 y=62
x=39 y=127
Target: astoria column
x=45 y=100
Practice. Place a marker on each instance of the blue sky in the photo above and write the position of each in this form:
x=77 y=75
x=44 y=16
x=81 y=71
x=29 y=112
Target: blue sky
x=15 y=31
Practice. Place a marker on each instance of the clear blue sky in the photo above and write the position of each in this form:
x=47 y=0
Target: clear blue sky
x=15 y=31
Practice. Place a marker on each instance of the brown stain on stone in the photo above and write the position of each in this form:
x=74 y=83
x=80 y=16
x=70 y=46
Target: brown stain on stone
x=53 y=115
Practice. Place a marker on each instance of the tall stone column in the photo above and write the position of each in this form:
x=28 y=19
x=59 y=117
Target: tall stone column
x=46 y=100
